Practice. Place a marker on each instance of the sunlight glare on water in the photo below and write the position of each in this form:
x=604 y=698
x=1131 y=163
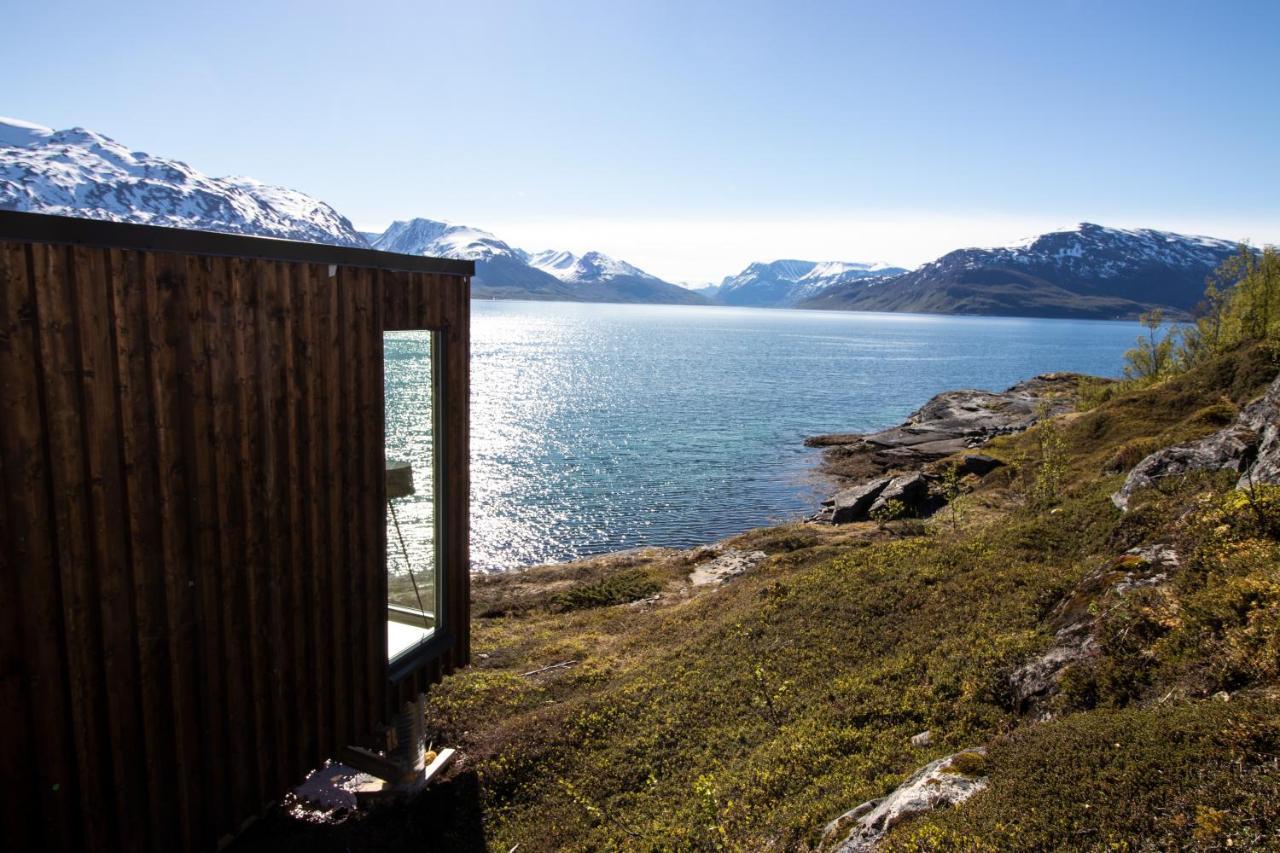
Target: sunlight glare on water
x=601 y=427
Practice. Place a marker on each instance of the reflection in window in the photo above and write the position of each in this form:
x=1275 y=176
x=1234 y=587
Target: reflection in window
x=412 y=596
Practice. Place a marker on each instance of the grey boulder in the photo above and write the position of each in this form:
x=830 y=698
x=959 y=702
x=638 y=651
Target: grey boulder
x=854 y=503
x=910 y=490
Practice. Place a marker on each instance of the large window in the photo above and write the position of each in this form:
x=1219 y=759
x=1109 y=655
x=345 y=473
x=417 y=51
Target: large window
x=411 y=373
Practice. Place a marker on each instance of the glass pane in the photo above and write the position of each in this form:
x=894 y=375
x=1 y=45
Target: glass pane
x=412 y=604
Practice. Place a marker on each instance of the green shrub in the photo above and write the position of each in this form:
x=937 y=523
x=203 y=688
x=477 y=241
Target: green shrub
x=620 y=588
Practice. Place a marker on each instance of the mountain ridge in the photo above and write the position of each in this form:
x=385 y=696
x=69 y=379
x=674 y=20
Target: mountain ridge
x=80 y=172
x=785 y=282
x=1087 y=271
x=504 y=271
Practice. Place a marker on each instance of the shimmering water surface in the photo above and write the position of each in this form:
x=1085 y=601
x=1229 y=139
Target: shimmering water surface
x=601 y=427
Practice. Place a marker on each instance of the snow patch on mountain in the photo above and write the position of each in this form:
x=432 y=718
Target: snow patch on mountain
x=19 y=133
x=1087 y=250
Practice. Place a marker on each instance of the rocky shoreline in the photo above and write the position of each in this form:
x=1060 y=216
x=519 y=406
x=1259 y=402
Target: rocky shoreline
x=893 y=470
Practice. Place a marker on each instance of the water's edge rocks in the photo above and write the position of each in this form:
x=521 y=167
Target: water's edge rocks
x=886 y=466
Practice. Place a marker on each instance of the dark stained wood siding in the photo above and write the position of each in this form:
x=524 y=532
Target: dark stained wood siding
x=192 y=528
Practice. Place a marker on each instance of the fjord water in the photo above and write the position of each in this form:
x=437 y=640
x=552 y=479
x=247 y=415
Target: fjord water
x=601 y=427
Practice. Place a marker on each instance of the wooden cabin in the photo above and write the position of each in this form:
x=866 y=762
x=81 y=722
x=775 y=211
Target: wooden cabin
x=193 y=533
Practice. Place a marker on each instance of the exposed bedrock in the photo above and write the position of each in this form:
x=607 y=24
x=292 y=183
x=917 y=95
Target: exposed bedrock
x=1250 y=446
x=939 y=784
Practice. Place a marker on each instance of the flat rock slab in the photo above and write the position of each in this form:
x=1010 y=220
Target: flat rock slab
x=979 y=464
x=726 y=566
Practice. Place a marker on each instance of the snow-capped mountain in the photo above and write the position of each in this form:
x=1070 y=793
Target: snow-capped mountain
x=503 y=270
x=783 y=283
x=589 y=268
x=600 y=274
x=444 y=240
x=1084 y=271
x=79 y=172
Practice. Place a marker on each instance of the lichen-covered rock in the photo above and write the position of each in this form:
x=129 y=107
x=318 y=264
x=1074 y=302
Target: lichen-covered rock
x=939 y=784
x=1249 y=446
x=1265 y=422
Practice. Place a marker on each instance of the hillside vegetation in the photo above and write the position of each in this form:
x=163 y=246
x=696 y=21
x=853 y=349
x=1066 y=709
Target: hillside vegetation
x=749 y=715
x=614 y=705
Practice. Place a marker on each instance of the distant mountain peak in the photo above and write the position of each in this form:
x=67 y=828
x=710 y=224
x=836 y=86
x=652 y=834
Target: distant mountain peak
x=590 y=268
x=787 y=281
x=1085 y=270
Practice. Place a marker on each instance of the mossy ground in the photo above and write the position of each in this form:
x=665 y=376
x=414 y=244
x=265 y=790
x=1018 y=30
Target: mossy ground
x=747 y=716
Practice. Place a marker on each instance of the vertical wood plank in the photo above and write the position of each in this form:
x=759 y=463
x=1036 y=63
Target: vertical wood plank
x=377 y=513
x=108 y=542
x=130 y=273
x=66 y=431
x=336 y=416
x=172 y=392
x=198 y=442
x=53 y=813
x=313 y=304
x=299 y=654
x=243 y=793
x=244 y=303
x=458 y=485
x=373 y=501
x=269 y=354
x=358 y=565
x=17 y=756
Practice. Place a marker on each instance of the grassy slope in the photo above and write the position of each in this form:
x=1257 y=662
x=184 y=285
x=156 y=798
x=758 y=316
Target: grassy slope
x=746 y=717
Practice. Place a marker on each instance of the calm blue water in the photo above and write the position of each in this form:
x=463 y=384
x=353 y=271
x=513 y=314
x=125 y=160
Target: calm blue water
x=601 y=427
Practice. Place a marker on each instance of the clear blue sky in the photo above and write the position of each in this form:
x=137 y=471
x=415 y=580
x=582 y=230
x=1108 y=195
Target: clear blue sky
x=687 y=135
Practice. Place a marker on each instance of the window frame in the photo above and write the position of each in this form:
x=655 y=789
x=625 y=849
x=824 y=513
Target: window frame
x=407 y=662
